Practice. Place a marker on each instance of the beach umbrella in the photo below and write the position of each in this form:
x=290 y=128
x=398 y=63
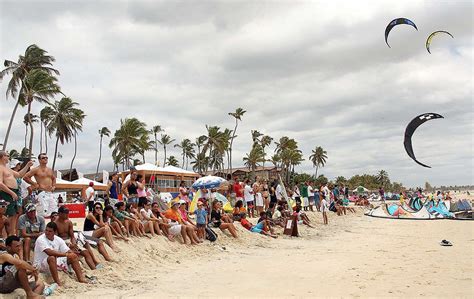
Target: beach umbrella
x=208 y=182
x=225 y=203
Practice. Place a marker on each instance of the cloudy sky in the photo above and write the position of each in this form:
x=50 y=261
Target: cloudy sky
x=316 y=71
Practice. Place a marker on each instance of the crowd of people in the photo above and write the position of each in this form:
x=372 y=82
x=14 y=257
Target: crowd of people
x=129 y=211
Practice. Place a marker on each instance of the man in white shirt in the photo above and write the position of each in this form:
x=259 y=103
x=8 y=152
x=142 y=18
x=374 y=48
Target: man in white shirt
x=51 y=253
x=249 y=198
x=90 y=196
x=278 y=192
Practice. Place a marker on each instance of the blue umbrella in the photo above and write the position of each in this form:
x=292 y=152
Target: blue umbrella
x=208 y=182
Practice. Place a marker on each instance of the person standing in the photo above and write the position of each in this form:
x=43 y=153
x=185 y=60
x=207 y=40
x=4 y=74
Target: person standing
x=238 y=189
x=382 y=194
x=9 y=190
x=113 y=187
x=311 y=196
x=45 y=184
x=248 y=194
x=304 y=195
x=30 y=227
x=90 y=196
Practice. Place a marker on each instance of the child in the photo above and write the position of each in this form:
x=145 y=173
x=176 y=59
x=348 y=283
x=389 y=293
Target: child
x=324 y=209
x=201 y=220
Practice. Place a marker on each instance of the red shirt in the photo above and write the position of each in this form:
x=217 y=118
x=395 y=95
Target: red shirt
x=245 y=223
x=238 y=190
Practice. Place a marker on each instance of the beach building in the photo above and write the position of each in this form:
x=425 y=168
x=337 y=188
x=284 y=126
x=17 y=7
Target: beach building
x=268 y=172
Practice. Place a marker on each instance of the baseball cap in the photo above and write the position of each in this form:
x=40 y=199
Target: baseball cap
x=14 y=163
x=63 y=210
x=174 y=203
x=181 y=202
x=30 y=207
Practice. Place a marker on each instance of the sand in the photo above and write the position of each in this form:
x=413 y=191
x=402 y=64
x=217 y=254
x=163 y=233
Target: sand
x=354 y=256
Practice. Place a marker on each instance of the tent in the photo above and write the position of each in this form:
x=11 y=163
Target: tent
x=360 y=189
x=86 y=182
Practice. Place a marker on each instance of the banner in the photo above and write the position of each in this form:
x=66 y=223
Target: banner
x=59 y=175
x=105 y=177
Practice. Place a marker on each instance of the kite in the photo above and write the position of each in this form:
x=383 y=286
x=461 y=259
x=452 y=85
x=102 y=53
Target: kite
x=395 y=23
x=412 y=126
x=430 y=37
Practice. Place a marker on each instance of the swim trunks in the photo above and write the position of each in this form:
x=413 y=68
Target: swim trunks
x=12 y=207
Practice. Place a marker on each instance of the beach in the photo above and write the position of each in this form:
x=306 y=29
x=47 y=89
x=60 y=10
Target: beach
x=354 y=256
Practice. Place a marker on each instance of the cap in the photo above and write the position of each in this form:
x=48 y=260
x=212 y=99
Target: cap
x=63 y=210
x=174 y=203
x=91 y=184
x=181 y=202
x=3 y=203
x=30 y=207
x=14 y=163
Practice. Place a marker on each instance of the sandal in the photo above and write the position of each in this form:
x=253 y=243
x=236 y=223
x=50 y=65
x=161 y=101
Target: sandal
x=445 y=243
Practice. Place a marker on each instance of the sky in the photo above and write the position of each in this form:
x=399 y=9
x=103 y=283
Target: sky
x=316 y=71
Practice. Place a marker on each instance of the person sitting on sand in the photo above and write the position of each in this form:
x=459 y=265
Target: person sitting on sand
x=133 y=212
x=267 y=223
x=150 y=222
x=94 y=226
x=76 y=241
x=238 y=210
x=177 y=225
x=52 y=253
x=116 y=227
x=278 y=217
x=216 y=220
x=15 y=271
x=302 y=218
x=259 y=228
x=30 y=227
x=163 y=222
x=130 y=223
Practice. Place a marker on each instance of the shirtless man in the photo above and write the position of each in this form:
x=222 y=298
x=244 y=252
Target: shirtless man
x=46 y=183
x=79 y=247
x=9 y=189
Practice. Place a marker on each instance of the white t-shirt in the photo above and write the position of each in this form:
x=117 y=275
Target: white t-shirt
x=90 y=191
x=148 y=213
x=310 y=191
x=248 y=193
x=327 y=193
x=278 y=192
x=43 y=243
x=24 y=189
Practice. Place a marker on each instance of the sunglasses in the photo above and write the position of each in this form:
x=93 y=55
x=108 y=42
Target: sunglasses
x=98 y=208
x=43 y=158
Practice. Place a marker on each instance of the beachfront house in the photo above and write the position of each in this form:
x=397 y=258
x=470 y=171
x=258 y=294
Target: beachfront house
x=268 y=172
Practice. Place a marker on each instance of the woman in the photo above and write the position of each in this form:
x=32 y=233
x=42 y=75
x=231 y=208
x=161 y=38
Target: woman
x=266 y=195
x=216 y=220
x=273 y=197
x=150 y=222
x=115 y=225
x=132 y=212
x=163 y=222
x=141 y=192
x=94 y=226
x=183 y=192
x=238 y=211
x=258 y=189
x=131 y=225
x=130 y=189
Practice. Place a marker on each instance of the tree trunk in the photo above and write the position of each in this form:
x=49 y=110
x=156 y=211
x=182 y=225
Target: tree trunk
x=45 y=139
x=143 y=157
x=316 y=175
x=164 y=161
x=230 y=147
x=41 y=137
x=73 y=157
x=26 y=135
x=183 y=161
x=156 y=151
x=100 y=157
x=30 y=147
x=55 y=152
x=7 y=134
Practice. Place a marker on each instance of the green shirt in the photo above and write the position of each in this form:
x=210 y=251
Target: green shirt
x=304 y=191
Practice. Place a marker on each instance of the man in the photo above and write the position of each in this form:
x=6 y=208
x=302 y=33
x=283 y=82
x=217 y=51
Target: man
x=305 y=196
x=15 y=272
x=30 y=227
x=9 y=189
x=113 y=187
x=279 y=192
x=90 y=196
x=77 y=241
x=311 y=196
x=238 y=189
x=51 y=253
x=45 y=184
x=382 y=194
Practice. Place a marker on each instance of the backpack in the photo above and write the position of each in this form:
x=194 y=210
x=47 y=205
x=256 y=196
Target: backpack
x=210 y=234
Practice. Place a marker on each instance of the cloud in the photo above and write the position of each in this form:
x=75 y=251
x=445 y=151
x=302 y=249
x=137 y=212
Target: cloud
x=318 y=72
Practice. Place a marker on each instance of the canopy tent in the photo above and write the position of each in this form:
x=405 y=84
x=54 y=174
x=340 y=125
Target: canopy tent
x=66 y=185
x=150 y=169
x=360 y=189
x=86 y=182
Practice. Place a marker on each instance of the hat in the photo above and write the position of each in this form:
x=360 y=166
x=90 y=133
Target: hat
x=63 y=210
x=14 y=163
x=91 y=184
x=30 y=208
x=181 y=202
x=174 y=203
x=3 y=203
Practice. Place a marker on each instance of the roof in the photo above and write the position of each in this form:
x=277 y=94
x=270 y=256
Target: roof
x=245 y=169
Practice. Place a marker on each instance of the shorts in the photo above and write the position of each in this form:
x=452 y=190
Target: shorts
x=12 y=208
x=132 y=200
x=47 y=204
x=93 y=241
x=175 y=229
x=259 y=200
x=250 y=204
x=201 y=225
x=305 y=202
x=10 y=282
x=61 y=263
x=257 y=228
x=90 y=205
x=311 y=200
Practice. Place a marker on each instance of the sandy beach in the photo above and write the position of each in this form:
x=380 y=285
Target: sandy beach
x=354 y=256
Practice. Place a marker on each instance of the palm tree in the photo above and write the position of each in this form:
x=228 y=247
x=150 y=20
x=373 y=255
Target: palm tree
x=264 y=142
x=102 y=132
x=34 y=58
x=43 y=124
x=186 y=147
x=255 y=135
x=39 y=86
x=164 y=141
x=127 y=139
x=382 y=178
x=64 y=120
x=14 y=154
x=239 y=112
x=200 y=163
x=26 y=122
x=74 y=156
x=145 y=145
x=172 y=161
x=155 y=130
x=200 y=141
x=318 y=157
x=253 y=159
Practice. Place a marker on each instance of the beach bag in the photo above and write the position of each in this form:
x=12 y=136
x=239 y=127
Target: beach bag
x=210 y=234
